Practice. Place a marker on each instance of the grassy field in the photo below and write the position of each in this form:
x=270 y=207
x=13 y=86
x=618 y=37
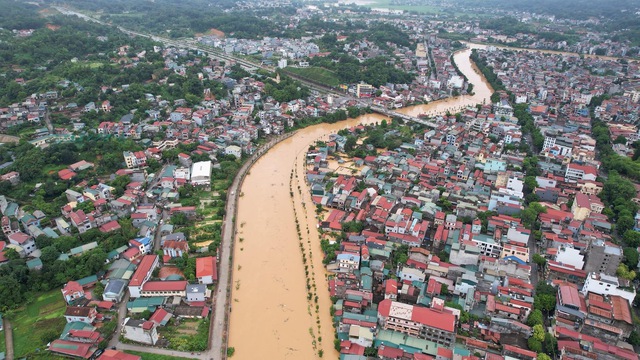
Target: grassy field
x=146 y=356
x=317 y=74
x=29 y=323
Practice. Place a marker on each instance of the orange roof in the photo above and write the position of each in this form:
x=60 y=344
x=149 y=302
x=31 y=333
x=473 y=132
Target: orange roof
x=143 y=270
x=206 y=266
x=621 y=309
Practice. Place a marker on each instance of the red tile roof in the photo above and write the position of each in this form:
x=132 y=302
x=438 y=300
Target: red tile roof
x=429 y=317
x=141 y=272
x=110 y=354
x=206 y=266
x=179 y=285
x=72 y=348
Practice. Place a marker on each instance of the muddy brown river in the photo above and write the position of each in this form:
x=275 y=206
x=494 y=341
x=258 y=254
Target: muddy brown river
x=272 y=317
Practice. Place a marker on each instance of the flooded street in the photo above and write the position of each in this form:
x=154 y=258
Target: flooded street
x=273 y=302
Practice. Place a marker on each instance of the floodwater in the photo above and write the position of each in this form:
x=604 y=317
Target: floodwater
x=271 y=316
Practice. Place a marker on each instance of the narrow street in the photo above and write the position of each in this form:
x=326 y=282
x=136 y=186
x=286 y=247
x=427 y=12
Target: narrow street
x=8 y=337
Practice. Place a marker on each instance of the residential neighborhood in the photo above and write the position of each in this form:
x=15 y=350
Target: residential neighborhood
x=389 y=180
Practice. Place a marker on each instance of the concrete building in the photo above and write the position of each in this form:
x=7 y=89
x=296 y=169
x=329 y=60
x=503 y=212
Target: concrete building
x=603 y=257
x=607 y=285
x=435 y=324
x=141 y=331
x=201 y=173
x=142 y=274
x=114 y=291
x=206 y=270
x=196 y=292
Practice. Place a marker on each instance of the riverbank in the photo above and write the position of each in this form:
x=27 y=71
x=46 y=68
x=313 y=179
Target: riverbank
x=272 y=315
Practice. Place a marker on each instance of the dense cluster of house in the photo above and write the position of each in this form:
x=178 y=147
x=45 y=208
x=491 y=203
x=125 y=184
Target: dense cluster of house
x=164 y=295
x=427 y=195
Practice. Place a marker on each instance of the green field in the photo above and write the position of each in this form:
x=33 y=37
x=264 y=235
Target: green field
x=45 y=313
x=146 y=356
x=317 y=74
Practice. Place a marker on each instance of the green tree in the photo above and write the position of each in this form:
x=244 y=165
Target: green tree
x=98 y=290
x=534 y=345
x=631 y=257
x=550 y=344
x=535 y=318
x=539 y=260
x=624 y=272
x=538 y=332
x=544 y=302
x=543 y=356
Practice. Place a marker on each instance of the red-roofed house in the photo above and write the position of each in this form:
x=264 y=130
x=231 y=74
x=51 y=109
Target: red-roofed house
x=434 y=325
x=206 y=270
x=110 y=226
x=72 y=291
x=111 y=354
x=72 y=349
x=66 y=174
x=142 y=274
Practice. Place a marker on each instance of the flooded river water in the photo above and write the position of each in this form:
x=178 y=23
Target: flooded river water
x=272 y=317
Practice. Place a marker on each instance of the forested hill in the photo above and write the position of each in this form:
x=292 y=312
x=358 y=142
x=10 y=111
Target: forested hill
x=569 y=9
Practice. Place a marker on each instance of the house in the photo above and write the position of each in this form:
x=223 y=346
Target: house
x=80 y=313
x=175 y=248
x=164 y=288
x=111 y=354
x=576 y=172
x=24 y=241
x=81 y=221
x=72 y=291
x=12 y=177
x=201 y=173
x=435 y=324
x=206 y=270
x=196 y=292
x=114 y=291
x=34 y=264
x=141 y=331
x=142 y=274
x=161 y=317
x=135 y=160
x=602 y=284
x=233 y=150
x=72 y=349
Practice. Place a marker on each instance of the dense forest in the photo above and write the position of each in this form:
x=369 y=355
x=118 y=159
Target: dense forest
x=375 y=71
x=186 y=18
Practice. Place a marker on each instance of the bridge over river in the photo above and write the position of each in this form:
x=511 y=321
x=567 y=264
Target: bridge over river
x=405 y=117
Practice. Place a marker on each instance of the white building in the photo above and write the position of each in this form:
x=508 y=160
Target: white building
x=141 y=331
x=201 y=173
x=196 y=292
x=348 y=262
x=570 y=256
x=233 y=150
x=411 y=274
x=607 y=285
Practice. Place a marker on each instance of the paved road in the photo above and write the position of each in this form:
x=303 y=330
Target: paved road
x=219 y=324
x=115 y=340
x=8 y=337
x=157 y=351
x=122 y=314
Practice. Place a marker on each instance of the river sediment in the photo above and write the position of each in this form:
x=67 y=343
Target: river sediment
x=279 y=293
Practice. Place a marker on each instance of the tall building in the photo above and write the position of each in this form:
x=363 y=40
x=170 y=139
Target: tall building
x=435 y=324
x=603 y=257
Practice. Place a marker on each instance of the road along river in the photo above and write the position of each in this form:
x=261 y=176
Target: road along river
x=274 y=288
